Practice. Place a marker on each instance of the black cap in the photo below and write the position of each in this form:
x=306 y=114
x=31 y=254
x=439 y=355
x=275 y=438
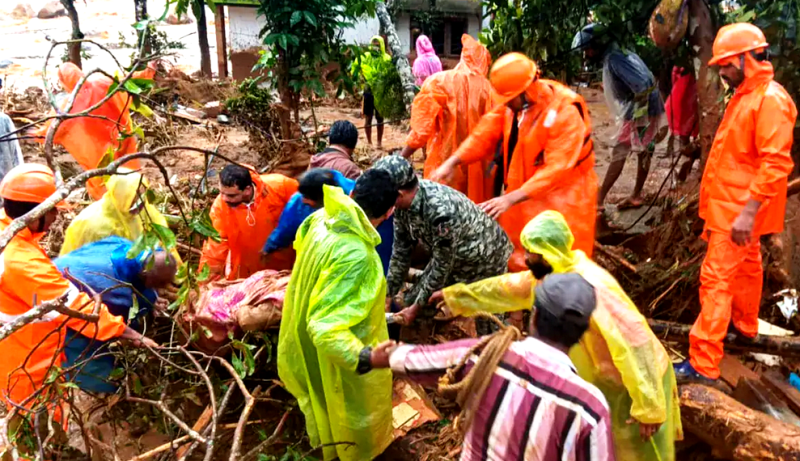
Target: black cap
x=568 y=297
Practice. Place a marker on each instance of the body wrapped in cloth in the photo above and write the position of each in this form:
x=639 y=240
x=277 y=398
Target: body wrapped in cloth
x=224 y=307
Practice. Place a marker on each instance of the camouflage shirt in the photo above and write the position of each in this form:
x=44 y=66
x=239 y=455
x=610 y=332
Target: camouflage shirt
x=466 y=244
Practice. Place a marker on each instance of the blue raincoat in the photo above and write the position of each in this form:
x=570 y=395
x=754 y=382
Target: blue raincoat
x=101 y=265
x=296 y=212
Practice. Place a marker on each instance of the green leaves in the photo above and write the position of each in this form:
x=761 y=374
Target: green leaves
x=297 y=16
x=244 y=362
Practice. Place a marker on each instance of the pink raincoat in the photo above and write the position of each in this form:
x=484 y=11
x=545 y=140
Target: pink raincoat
x=427 y=63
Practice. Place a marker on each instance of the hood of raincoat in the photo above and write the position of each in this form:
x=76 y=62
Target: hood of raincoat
x=343 y=215
x=548 y=234
x=382 y=43
x=425 y=47
x=474 y=56
x=755 y=73
x=111 y=215
x=69 y=75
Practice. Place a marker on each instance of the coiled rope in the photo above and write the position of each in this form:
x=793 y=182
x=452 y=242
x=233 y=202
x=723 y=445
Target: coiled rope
x=470 y=390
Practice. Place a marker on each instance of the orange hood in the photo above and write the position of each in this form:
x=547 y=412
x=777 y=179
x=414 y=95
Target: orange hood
x=474 y=56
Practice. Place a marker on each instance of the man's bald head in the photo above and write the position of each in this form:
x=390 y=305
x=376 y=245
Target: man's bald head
x=159 y=270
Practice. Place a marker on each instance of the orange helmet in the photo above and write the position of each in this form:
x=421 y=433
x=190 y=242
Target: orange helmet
x=29 y=182
x=736 y=39
x=511 y=75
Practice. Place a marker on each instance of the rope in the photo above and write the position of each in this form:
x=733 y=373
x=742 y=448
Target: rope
x=470 y=390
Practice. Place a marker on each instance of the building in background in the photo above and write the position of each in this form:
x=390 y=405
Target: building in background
x=444 y=24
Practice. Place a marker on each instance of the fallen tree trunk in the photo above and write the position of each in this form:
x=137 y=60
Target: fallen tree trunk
x=735 y=431
x=398 y=57
x=786 y=346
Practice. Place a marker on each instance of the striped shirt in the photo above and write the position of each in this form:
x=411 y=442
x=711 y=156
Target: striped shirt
x=536 y=407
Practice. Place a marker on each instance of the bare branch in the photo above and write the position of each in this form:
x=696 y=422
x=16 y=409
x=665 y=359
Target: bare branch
x=33 y=315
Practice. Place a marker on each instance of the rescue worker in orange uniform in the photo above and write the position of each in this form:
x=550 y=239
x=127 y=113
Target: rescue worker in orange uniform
x=245 y=213
x=548 y=154
x=742 y=196
x=88 y=139
x=28 y=278
x=447 y=108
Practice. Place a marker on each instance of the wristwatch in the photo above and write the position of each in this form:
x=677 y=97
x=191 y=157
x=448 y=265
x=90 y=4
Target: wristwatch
x=364 y=361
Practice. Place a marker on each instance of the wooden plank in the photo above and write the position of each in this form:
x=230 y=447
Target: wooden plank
x=222 y=46
x=786 y=391
x=731 y=370
x=199 y=425
x=758 y=396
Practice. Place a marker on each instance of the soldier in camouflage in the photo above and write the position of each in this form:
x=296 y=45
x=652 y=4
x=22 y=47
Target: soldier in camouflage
x=466 y=244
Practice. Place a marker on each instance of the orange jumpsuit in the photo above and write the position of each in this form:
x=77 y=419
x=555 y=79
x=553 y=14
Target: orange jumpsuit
x=553 y=162
x=28 y=276
x=750 y=159
x=446 y=110
x=88 y=139
x=244 y=230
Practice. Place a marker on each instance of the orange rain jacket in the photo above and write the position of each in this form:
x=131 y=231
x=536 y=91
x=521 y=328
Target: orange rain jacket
x=88 y=139
x=553 y=162
x=244 y=230
x=751 y=154
x=28 y=277
x=447 y=109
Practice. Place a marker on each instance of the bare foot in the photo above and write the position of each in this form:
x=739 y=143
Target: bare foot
x=629 y=203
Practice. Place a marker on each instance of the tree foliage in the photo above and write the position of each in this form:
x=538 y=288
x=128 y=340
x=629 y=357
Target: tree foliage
x=302 y=38
x=544 y=29
x=779 y=20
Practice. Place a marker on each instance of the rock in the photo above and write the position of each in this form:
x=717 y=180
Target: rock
x=51 y=10
x=174 y=20
x=212 y=109
x=23 y=11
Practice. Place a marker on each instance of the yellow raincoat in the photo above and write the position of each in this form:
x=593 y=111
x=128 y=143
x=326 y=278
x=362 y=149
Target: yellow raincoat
x=619 y=353
x=111 y=216
x=334 y=307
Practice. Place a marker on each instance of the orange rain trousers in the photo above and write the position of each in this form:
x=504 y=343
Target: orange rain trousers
x=244 y=230
x=446 y=110
x=749 y=160
x=33 y=351
x=88 y=139
x=731 y=279
x=553 y=162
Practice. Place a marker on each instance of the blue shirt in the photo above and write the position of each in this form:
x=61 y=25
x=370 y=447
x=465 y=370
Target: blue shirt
x=296 y=212
x=101 y=265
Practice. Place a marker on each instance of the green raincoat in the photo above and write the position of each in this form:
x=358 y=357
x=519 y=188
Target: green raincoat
x=619 y=353
x=369 y=62
x=334 y=307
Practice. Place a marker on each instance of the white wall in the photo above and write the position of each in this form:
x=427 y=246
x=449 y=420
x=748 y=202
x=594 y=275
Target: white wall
x=362 y=32
x=403 y=27
x=243 y=28
x=474 y=25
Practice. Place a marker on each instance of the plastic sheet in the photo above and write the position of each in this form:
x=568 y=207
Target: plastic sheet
x=10 y=152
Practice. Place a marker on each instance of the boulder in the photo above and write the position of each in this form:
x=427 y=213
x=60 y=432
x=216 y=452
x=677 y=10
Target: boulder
x=212 y=109
x=174 y=20
x=51 y=10
x=23 y=11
